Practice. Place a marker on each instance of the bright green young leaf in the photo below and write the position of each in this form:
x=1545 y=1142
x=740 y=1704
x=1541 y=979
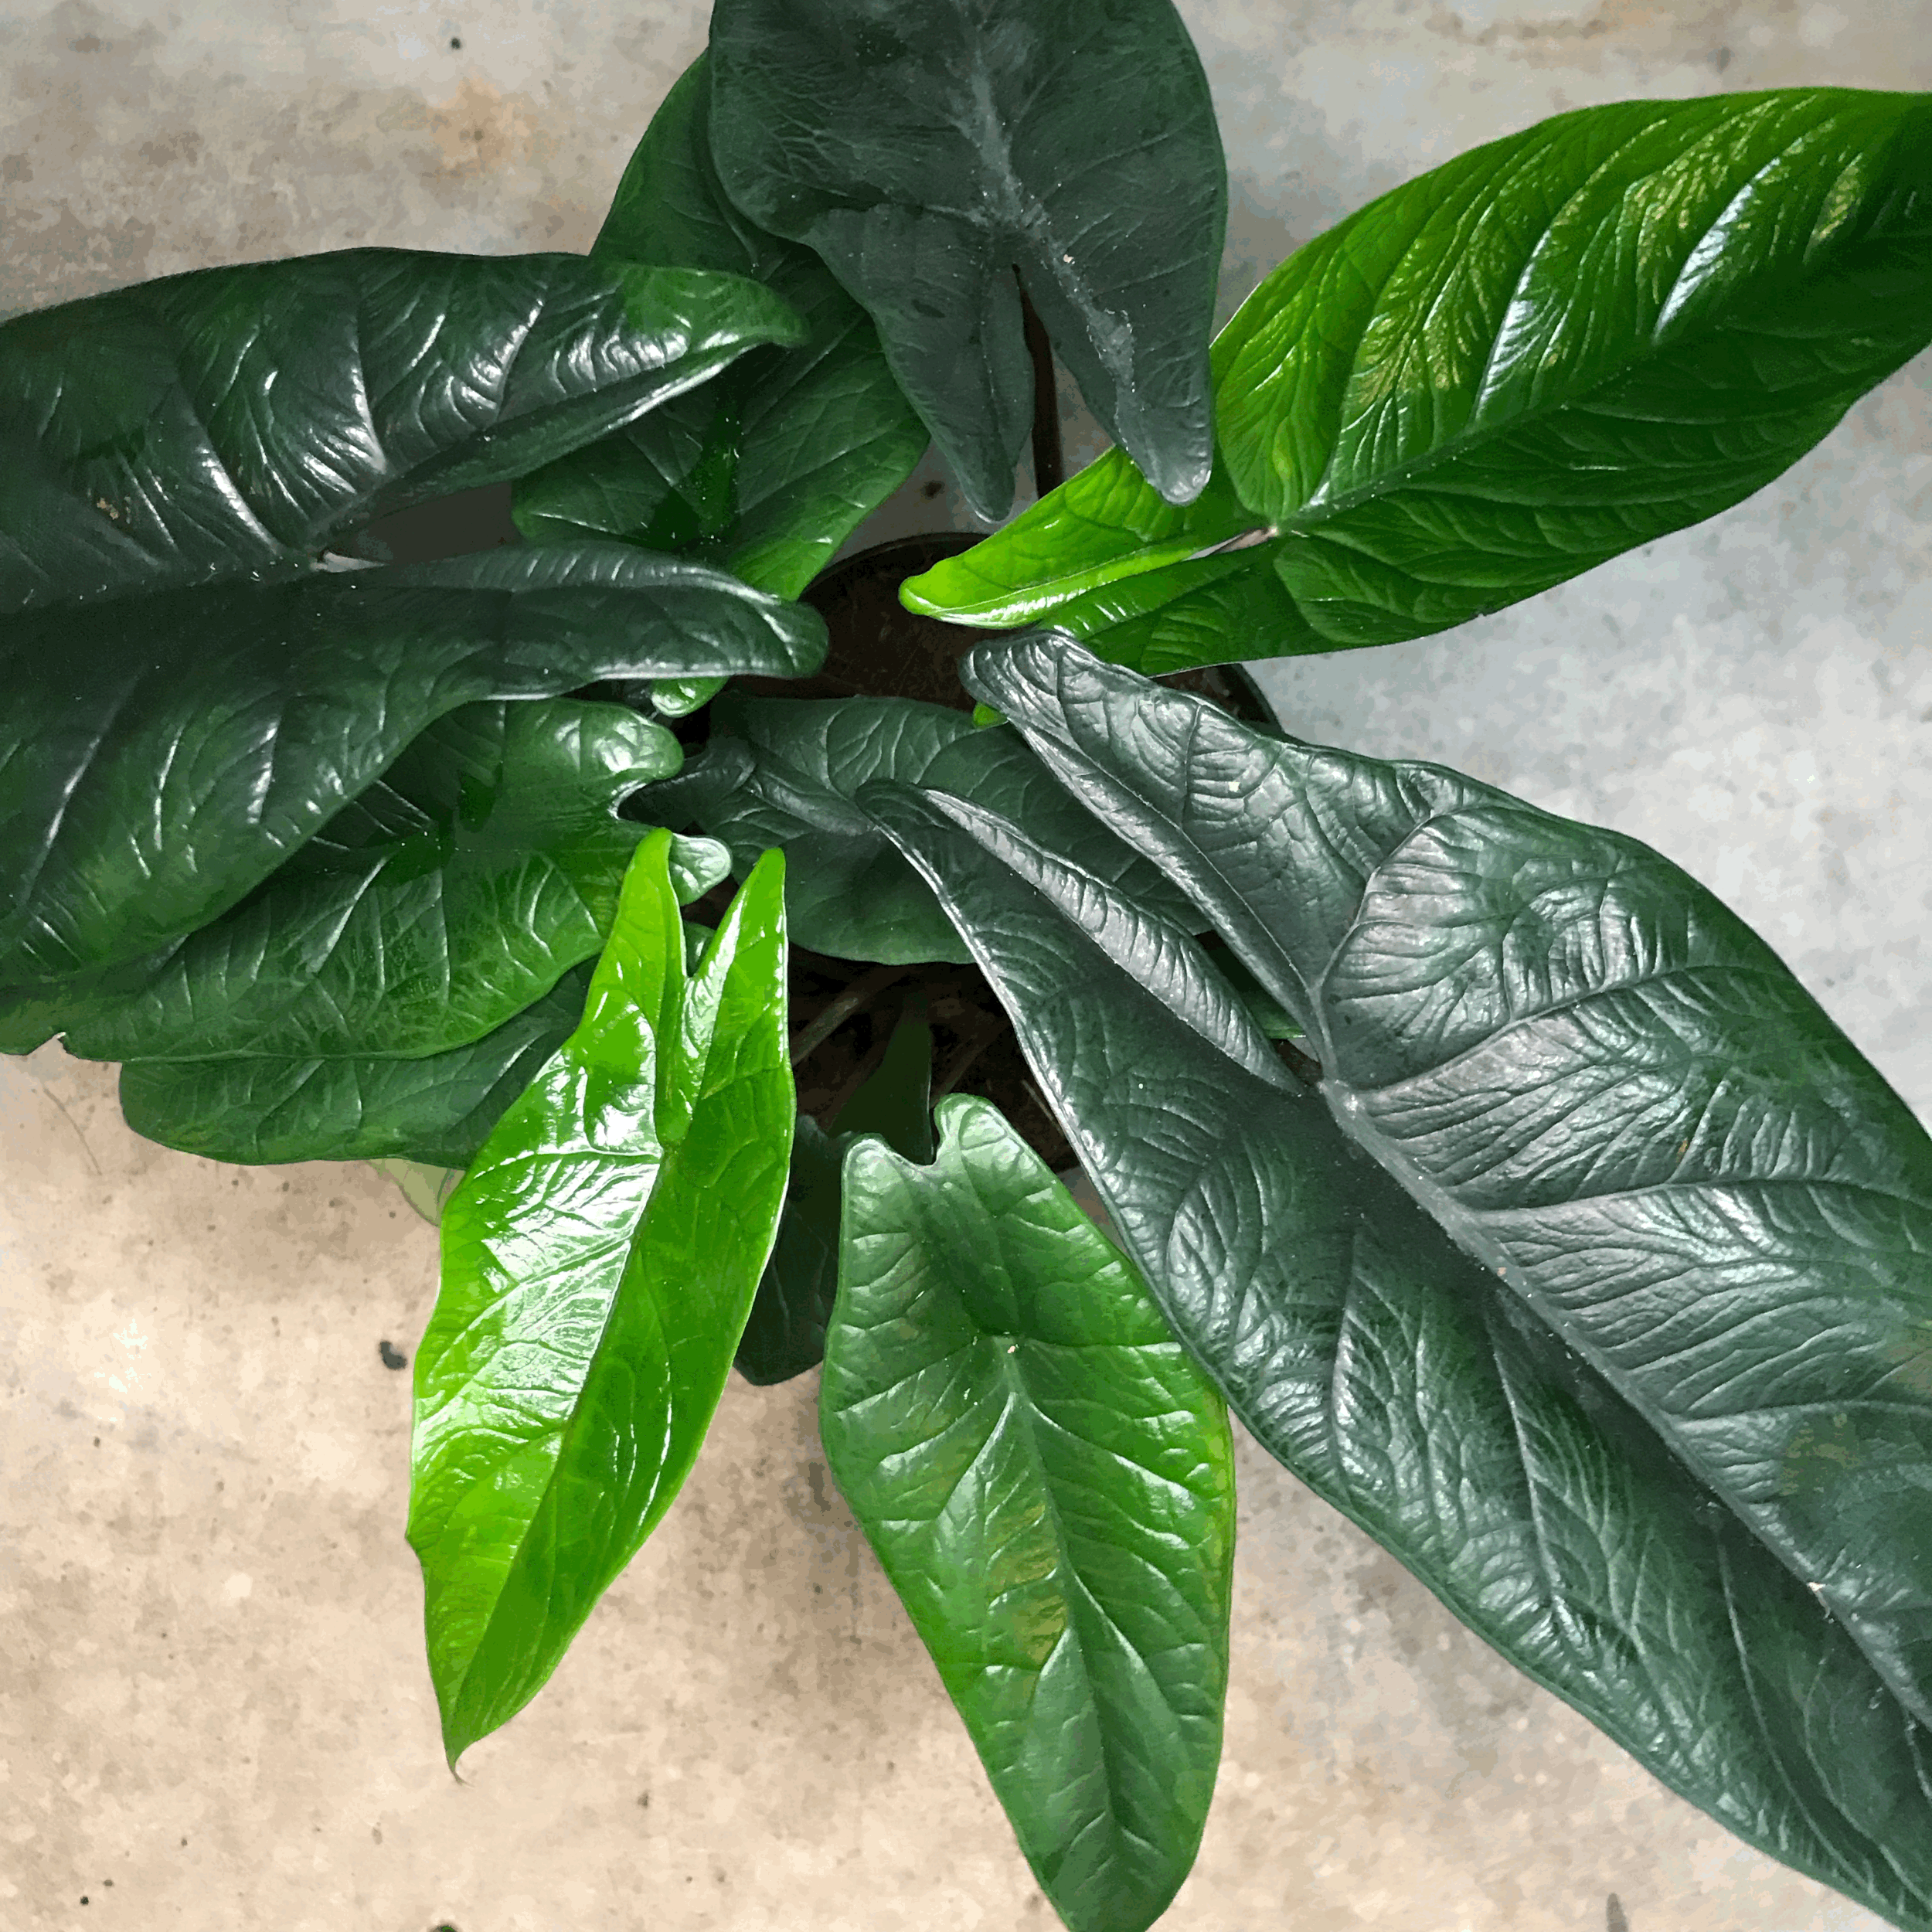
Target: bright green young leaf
x=767 y=470
x=599 y=1262
x=782 y=771
x=926 y=153
x=1552 y=348
x=195 y=681
x=1424 y=1397
x=1598 y=1080
x=269 y=1108
x=1048 y=1479
x=1102 y=529
x=786 y=1333
x=443 y=900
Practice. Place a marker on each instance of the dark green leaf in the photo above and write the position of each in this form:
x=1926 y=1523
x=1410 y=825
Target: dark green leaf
x=1599 y=1080
x=783 y=772
x=272 y=1107
x=925 y=154
x=161 y=761
x=766 y=470
x=599 y=1262
x=786 y=1334
x=446 y=897
x=233 y=422
x=679 y=697
x=1420 y=1395
x=1551 y=349
x=897 y=1102
x=193 y=684
x=436 y=1110
x=1049 y=1481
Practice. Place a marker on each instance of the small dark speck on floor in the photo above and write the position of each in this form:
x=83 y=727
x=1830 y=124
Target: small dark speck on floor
x=1613 y=1919
x=392 y=1358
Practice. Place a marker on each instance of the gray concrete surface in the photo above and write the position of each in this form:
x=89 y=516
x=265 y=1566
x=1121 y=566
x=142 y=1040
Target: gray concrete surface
x=214 y=1711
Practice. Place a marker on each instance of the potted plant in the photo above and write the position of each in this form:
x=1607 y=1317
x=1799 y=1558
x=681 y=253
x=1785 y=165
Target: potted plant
x=741 y=954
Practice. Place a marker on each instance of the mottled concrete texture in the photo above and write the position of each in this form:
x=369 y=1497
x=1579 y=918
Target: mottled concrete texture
x=216 y=1712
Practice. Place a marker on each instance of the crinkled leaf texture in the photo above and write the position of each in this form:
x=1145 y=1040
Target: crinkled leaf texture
x=599 y=1262
x=443 y=900
x=1048 y=1479
x=767 y=469
x=783 y=771
x=926 y=152
x=265 y=1108
x=196 y=682
x=1550 y=350
x=1589 y=1279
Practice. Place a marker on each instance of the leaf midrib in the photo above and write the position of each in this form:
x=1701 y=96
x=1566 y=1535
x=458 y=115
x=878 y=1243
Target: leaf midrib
x=1300 y=522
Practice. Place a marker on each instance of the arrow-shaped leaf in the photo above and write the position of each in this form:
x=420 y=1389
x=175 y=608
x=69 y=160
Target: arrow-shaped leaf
x=768 y=468
x=599 y=1262
x=231 y=422
x=444 y=898
x=161 y=756
x=1549 y=351
x=1421 y=1396
x=266 y=1107
x=1048 y=1479
x=926 y=153
x=1598 y=1080
x=194 y=686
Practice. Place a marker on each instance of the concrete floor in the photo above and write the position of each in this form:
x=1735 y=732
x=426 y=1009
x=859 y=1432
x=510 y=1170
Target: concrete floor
x=215 y=1712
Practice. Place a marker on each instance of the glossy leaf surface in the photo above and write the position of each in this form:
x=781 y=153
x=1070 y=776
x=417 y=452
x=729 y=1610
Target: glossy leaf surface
x=1048 y=1478
x=768 y=468
x=154 y=775
x=262 y=1108
x=1599 y=1080
x=444 y=898
x=1420 y=1395
x=599 y=1262
x=196 y=679
x=783 y=771
x=1550 y=350
x=229 y=421
x=926 y=153
x=786 y=1333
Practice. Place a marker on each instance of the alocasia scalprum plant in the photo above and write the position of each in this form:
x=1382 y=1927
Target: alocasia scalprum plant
x=738 y=1007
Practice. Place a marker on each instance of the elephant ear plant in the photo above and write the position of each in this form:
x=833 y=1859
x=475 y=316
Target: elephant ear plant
x=746 y=972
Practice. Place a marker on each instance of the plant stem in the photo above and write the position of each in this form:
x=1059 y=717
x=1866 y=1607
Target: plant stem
x=868 y=986
x=1049 y=467
x=1306 y=1070
x=962 y=1061
x=875 y=1054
